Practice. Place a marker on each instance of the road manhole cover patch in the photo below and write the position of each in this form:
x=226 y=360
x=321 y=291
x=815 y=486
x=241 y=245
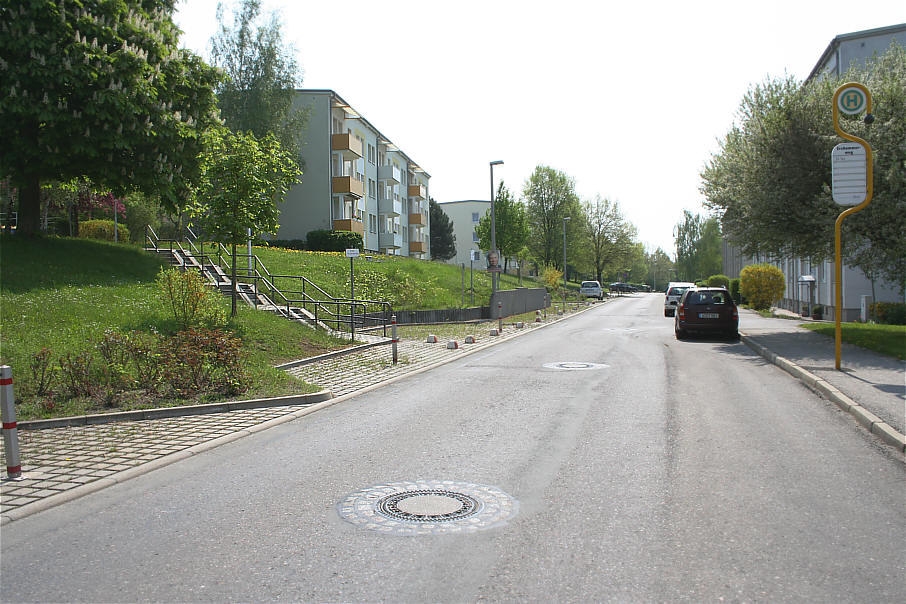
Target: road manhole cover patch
x=428 y=507
x=575 y=366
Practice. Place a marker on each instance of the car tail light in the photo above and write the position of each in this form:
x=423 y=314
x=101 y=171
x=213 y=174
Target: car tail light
x=735 y=314
x=681 y=311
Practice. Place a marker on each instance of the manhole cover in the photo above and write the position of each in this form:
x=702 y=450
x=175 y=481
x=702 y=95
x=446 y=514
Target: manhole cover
x=427 y=507
x=575 y=366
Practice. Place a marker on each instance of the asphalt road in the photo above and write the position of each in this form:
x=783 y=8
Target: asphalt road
x=668 y=471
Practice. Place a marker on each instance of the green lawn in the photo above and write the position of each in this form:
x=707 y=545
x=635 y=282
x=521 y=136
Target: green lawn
x=886 y=339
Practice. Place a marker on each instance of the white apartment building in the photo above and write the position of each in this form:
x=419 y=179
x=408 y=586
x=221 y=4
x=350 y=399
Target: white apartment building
x=357 y=180
x=813 y=281
x=465 y=215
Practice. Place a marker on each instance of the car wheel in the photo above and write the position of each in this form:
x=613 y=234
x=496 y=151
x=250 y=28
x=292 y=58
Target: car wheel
x=734 y=336
x=679 y=333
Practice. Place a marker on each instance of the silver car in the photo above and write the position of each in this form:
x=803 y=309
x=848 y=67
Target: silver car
x=674 y=292
x=591 y=289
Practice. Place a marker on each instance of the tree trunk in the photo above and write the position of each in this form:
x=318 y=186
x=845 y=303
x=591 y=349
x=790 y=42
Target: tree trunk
x=30 y=206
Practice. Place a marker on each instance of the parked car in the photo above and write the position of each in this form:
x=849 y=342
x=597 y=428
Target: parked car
x=706 y=309
x=622 y=288
x=591 y=289
x=675 y=291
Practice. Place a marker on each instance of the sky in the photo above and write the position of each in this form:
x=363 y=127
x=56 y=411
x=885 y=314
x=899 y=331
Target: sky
x=630 y=99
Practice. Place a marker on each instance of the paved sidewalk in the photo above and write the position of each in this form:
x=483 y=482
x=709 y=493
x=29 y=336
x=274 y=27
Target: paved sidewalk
x=873 y=382
x=61 y=464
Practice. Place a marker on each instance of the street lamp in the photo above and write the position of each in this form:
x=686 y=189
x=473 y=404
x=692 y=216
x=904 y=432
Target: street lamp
x=494 y=226
x=565 y=218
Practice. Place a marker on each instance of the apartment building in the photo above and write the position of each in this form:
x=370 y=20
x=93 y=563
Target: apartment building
x=809 y=280
x=356 y=179
x=465 y=215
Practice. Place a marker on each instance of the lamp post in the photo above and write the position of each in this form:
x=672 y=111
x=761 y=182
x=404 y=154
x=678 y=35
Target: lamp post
x=494 y=226
x=565 y=218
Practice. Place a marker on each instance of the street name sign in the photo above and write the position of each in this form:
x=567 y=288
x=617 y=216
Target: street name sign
x=352 y=252
x=849 y=174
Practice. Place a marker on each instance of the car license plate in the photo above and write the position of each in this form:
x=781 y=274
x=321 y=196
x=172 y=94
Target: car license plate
x=708 y=315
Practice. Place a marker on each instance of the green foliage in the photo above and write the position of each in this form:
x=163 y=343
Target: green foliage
x=610 y=237
x=510 y=221
x=552 y=277
x=443 y=241
x=103 y=230
x=287 y=244
x=189 y=300
x=333 y=241
x=885 y=339
x=100 y=89
x=761 y=285
x=891 y=313
x=734 y=290
x=697 y=246
x=550 y=195
x=770 y=181
x=719 y=281
x=261 y=77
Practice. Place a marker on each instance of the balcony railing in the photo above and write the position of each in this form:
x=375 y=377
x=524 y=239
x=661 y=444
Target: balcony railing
x=390 y=240
x=390 y=174
x=347 y=185
x=418 y=191
x=390 y=207
x=418 y=219
x=347 y=145
x=349 y=224
x=418 y=247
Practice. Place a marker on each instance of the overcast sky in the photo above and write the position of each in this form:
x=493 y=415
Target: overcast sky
x=628 y=98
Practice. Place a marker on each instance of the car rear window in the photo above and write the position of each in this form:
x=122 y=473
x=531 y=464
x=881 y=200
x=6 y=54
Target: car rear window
x=676 y=291
x=704 y=298
x=590 y=284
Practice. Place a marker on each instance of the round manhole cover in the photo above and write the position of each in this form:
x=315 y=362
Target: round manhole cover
x=427 y=507
x=575 y=366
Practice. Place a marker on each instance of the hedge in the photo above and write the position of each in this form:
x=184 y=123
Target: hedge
x=333 y=241
x=103 y=230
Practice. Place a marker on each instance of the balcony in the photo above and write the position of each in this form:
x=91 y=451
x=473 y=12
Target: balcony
x=418 y=247
x=418 y=191
x=390 y=207
x=390 y=240
x=390 y=174
x=418 y=219
x=347 y=185
x=347 y=145
x=349 y=224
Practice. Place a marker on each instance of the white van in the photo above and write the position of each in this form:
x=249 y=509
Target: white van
x=674 y=292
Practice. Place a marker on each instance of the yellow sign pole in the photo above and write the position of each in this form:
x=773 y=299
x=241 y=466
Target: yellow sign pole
x=851 y=104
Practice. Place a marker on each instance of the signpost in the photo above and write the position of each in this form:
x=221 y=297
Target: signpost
x=352 y=254
x=852 y=180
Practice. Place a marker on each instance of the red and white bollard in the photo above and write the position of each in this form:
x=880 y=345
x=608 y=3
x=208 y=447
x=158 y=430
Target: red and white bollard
x=500 y=317
x=393 y=337
x=10 y=431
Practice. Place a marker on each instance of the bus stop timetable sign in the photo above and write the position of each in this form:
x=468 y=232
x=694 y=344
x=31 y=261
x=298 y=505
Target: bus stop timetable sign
x=848 y=174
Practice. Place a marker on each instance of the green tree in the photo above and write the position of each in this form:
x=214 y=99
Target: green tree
x=661 y=269
x=242 y=179
x=698 y=243
x=609 y=235
x=99 y=89
x=261 y=76
x=761 y=285
x=550 y=195
x=770 y=186
x=511 y=222
x=443 y=241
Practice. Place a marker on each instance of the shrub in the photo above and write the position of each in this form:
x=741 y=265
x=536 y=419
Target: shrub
x=204 y=360
x=288 y=244
x=734 y=290
x=333 y=241
x=190 y=301
x=551 y=277
x=892 y=313
x=103 y=230
x=761 y=285
x=719 y=281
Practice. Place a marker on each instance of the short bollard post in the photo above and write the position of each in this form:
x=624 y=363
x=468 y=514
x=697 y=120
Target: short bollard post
x=500 y=317
x=393 y=337
x=10 y=431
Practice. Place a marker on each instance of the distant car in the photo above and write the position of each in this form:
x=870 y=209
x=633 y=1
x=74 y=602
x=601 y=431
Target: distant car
x=591 y=289
x=706 y=309
x=623 y=288
x=674 y=293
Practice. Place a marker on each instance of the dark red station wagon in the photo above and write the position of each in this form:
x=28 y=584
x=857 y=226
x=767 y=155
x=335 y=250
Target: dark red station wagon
x=706 y=309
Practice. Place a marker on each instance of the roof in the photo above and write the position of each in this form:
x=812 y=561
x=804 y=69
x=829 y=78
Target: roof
x=443 y=203
x=856 y=35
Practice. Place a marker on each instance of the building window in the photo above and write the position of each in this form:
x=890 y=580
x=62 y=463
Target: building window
x=474 y=216
x=474 y=236
x=372 y=223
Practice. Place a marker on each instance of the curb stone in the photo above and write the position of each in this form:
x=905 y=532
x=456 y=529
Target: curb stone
x=863 y=416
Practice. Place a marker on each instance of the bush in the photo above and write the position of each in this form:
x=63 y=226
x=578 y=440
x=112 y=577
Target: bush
x=333 y=241
x=761 y=285
x=734 y=290
x=288 y=244
x=189 y=299
x=551 y=277
x=891 y=313
x=103 y=230
x=719 y=281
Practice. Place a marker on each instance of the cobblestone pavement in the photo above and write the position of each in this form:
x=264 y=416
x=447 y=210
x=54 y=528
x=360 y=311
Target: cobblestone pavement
x=57 y=461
